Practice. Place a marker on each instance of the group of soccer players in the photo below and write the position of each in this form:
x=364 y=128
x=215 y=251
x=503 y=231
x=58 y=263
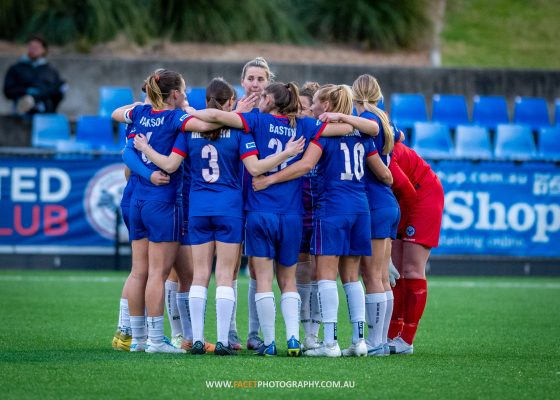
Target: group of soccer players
x=296 y=182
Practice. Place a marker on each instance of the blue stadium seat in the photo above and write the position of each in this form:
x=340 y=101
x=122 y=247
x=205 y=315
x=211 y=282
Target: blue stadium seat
x=532 y=111
x=406 y=109
x=113 y=97
x=433 y=140
x=47 y=129
x=96 y=131
x=557 y=111
x=549 y=143
x=196 y=96
x=514 y=142
x=490 y=111
x=450 y=109
x=473 y=142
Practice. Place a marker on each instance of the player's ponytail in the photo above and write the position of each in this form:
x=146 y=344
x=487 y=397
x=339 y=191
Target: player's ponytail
x=367 y=92
x=218 y=93
x=159 y=86
x=338 y=96
x=286 y=99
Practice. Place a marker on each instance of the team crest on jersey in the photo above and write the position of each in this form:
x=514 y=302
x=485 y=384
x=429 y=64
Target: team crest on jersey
x=102 y=197
x=410 y=231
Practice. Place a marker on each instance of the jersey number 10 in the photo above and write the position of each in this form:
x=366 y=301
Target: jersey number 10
x=359 y=153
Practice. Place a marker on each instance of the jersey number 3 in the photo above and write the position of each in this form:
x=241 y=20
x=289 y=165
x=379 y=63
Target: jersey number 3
x=359 y=152
x=211 y=174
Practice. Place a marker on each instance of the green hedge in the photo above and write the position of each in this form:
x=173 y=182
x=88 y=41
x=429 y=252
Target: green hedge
x=384 y=24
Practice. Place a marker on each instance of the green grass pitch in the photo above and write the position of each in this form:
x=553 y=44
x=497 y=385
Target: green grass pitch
x=496 y=338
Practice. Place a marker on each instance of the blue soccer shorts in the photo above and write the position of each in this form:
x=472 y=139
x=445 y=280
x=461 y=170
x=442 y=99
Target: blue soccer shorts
x=157 y=221
x=215 y=228
x=276 y=236
x=342 y=235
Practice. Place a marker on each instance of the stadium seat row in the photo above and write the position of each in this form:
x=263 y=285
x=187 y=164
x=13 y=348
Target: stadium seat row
x=93 y=132
x=488 y=111
x=512 y=142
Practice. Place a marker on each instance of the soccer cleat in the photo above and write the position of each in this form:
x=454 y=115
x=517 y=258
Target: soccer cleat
x=358 y=349
x=234 y=341
x=311 y=342
x=294 y=349
x=138 y=346
x=124 y=342
x=267 y=351
x=222 y=350
x=177 y=340
x=376 y=351
x=198 y=348
x=399 y=346
x=325 y=350
x=254 y=343
x=386 y=349
x=162 y=347
x=115 y=342
x=187 y=345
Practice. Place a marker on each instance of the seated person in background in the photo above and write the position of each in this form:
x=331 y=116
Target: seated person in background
x=32 y=83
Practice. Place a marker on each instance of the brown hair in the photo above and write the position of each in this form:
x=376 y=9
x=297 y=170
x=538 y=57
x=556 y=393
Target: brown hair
x=308 y=90
x=286 y=99
x=260 y=63
x=160 y=84
x=367 y=92
x=218 y=93
x=340 y=97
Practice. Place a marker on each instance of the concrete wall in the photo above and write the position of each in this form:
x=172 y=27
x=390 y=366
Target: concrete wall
x=85 y=75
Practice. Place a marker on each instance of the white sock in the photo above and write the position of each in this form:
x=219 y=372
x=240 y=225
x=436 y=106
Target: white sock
x=124 y=317
x=138 y=327
x=155 y=329
x=388 y=314
x=171 y=306
x=356 y=309
x=328 y=303
x=225 y=301
x=253 y=315
x=304 y=290
x=233 y=323
x=197 y=306
x=376 y=306
x=290 y=303
x=266 y=309
x=185 y=313
x=314 y=310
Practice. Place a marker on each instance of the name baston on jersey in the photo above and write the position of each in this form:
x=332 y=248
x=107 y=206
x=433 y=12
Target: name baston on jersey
x=271 y=134
x=161 y=129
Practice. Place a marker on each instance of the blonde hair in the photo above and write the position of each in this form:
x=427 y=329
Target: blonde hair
x=159 y=85
x=366 y=91
x=258 y=62
x=308 y=90
x=339 y=96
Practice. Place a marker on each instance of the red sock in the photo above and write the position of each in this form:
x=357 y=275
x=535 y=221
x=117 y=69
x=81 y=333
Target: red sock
x=397 y=319
x=415 y=295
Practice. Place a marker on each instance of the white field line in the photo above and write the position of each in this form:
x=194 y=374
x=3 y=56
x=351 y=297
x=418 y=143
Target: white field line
x=434 y=284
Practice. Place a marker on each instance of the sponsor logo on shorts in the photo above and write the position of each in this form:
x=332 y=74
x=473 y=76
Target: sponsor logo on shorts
x=410 y=231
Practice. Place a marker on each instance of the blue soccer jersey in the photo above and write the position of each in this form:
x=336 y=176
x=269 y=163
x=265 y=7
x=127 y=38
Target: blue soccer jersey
x=379 y=195
x=216 y=172
x=271 y=133
x=161 y=129
x=340 y=174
